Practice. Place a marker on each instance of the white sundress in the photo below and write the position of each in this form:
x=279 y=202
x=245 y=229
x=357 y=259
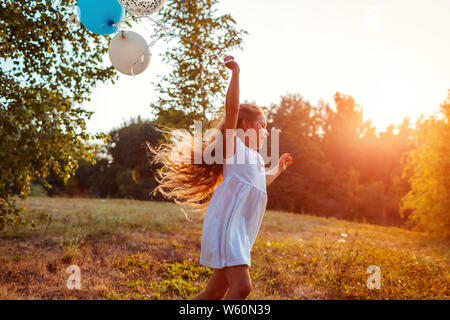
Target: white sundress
x=235 y=211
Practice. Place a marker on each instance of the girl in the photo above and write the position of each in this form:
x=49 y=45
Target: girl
x=233 y=191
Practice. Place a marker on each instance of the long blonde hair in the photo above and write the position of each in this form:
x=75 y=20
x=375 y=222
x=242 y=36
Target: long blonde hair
x=189 y=184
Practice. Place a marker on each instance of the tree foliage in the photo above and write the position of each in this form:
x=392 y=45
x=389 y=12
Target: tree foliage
x=367 y=187
x=127 y=148
x=182 y=98
x=47 y=70
x=342 y=167
x=428 y=168
x=122 y=168
x=297 y=190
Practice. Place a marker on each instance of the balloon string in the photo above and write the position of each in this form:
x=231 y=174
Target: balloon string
x=143 y=54
x=179 y=35
x=165 y=28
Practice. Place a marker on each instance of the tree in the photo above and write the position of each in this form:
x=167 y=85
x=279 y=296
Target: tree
x=97 y=180
x=182 y=98
x=127 y=147
x=428 y=166
x=53 y=68
x=308 y=186
x=343 y=130
x=122 y=168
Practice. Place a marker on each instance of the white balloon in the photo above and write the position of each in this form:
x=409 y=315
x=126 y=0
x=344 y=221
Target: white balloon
x=129 y=53
x=143 y=6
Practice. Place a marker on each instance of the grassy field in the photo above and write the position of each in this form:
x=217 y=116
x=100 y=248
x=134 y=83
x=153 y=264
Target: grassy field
x=147 y=250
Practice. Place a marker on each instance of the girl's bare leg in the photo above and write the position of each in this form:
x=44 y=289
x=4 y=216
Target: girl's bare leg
x=239 y=281
x=216 y=288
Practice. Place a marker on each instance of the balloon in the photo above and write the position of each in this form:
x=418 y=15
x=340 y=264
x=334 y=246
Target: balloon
x=146 y=7
x=129 y=53
x=98 y=16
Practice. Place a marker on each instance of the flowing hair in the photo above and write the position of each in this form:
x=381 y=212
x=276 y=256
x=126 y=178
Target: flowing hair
x=190 y=184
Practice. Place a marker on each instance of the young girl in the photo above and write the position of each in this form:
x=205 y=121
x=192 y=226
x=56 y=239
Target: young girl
x=233 y=191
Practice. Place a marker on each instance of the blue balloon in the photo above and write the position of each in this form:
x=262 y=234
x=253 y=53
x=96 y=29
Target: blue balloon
x=98 y=16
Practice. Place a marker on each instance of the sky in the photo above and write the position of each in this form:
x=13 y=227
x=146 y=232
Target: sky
x=392 y=56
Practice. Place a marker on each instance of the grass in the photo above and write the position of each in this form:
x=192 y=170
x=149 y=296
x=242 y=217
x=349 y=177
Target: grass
x=147 y=250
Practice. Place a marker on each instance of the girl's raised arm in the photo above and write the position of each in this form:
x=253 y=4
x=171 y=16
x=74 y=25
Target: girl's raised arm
x=231 y=106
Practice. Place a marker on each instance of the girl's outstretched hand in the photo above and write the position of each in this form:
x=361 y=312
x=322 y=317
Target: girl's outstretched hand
x=285 y=161
x=231 y=64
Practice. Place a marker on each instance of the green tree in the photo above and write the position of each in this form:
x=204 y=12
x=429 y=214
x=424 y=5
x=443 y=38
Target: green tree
x=52 y=70
x=122 y=168
x=182 y=98
x=97 y=180
x=127 y=147
x=308 y=186
x=352 y=196
x=428 y=166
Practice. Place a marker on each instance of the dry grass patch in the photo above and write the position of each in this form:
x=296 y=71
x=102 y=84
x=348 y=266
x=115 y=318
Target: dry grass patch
x=147 y=250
